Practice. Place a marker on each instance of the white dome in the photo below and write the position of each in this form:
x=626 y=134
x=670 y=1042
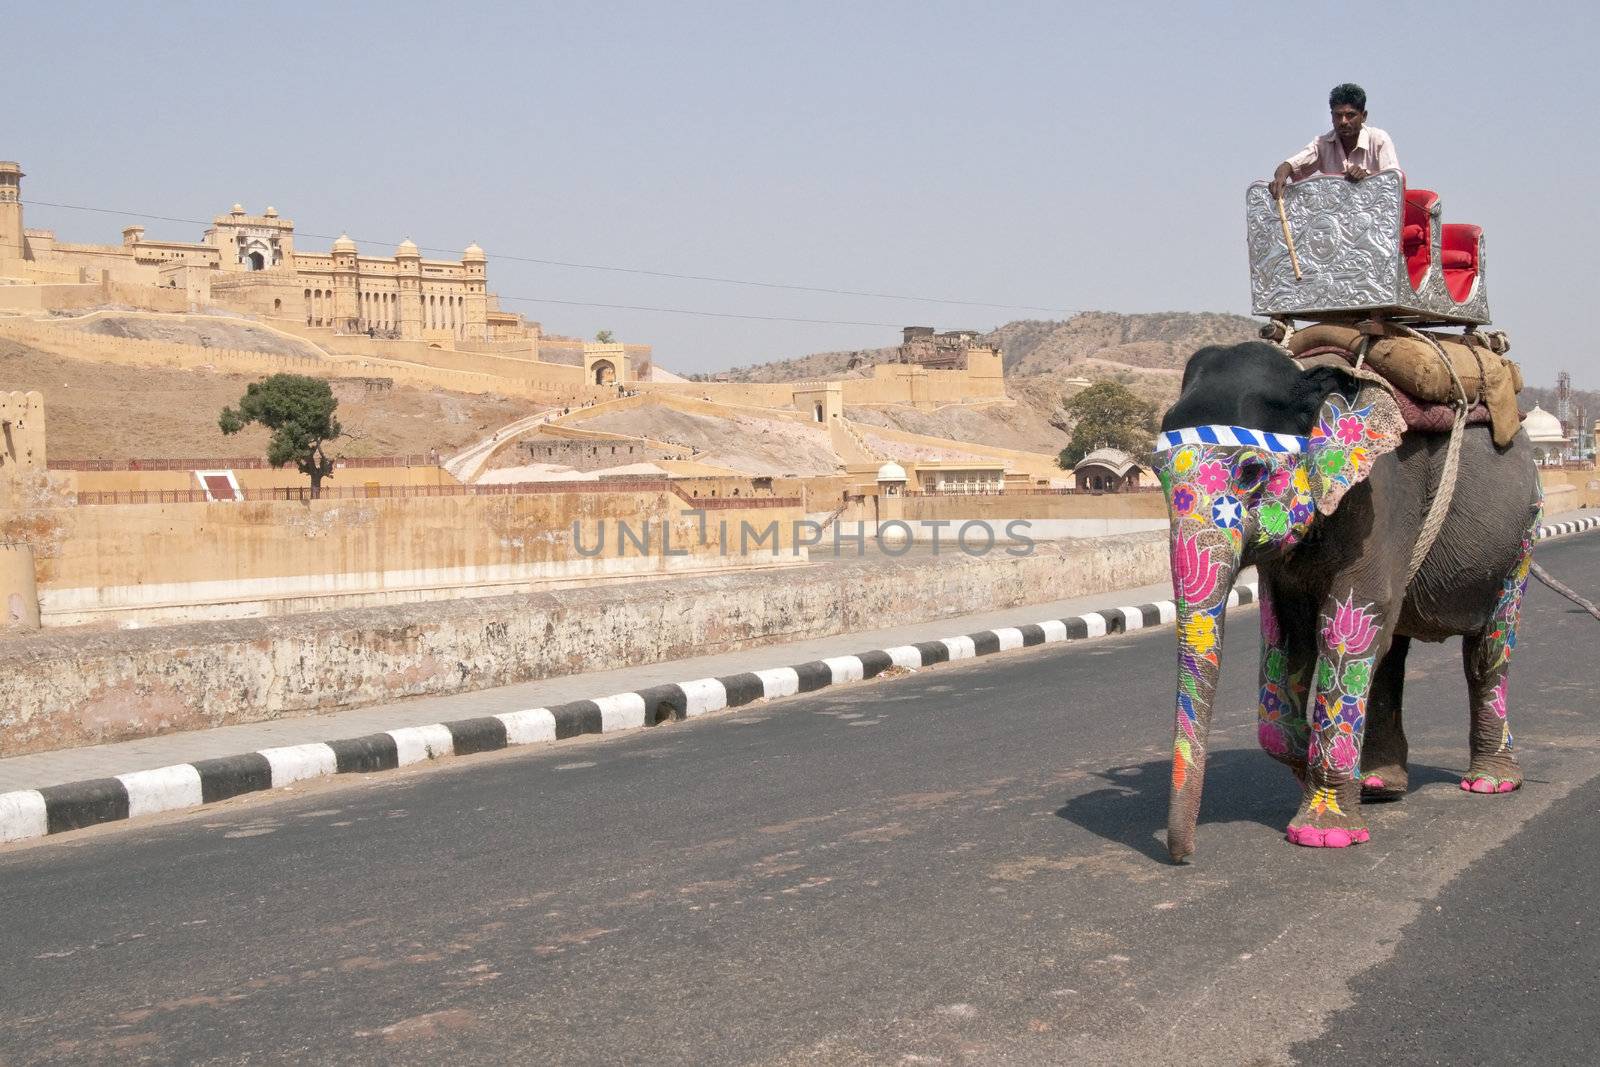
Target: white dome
x=1543 y=428
x=344 y=244
x=407 y=248
x=891 y=472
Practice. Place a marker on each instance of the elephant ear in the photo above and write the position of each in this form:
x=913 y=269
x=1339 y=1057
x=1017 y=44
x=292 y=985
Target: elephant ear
x=1348 y=437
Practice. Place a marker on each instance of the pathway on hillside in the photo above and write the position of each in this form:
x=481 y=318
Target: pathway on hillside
x=465 y=466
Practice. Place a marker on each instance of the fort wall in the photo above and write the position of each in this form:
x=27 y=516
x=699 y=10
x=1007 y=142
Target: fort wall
x=161 y=563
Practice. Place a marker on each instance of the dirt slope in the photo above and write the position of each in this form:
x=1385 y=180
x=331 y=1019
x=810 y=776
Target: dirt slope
x=102 y=411
x=743 y=442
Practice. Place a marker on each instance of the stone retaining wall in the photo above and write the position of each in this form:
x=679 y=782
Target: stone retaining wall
x=64 y=689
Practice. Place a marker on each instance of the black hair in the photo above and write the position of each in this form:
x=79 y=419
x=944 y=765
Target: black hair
x=1348 y=93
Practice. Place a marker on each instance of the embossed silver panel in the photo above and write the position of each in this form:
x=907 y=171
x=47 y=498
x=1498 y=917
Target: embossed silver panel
x=1347 y=237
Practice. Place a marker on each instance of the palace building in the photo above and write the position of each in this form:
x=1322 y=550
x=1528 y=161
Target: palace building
x=249 y=263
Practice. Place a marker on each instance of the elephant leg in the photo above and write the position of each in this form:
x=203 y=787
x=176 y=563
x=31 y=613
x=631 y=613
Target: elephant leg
x=1383 y=759
x=1282 y=729
x=1351 y=640
x=1487 y=658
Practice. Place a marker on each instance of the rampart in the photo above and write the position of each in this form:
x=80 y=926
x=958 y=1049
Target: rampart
x=62 y=689
x=162 y=562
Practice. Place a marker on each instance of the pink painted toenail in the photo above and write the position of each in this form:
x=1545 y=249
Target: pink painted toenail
x=1482 y=785
x=1506 y=787
x=1336 y=838
x=1466 y=785
x=1372 y=782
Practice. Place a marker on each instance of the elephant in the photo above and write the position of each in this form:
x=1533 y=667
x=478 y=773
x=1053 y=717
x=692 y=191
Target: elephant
x=1308 y=475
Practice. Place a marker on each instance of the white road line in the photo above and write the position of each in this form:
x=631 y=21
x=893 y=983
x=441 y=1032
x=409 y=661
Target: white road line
x=846 y=669
x=414 y=744
x=295 y=762
x=162 y=789
x=960 y=647
x=528 y=727
x=624 y=711
x=704 y=695
x=22 y=815
x=778 y=682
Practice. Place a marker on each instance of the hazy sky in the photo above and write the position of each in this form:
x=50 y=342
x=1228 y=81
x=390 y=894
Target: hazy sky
x=1059 y=155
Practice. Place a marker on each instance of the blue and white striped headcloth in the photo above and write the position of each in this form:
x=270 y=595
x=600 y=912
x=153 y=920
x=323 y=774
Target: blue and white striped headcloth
x=1232 y=436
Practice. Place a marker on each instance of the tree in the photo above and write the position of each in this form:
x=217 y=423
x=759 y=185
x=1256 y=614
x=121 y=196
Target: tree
x=604 y=337
x=1108 y=415
x=299 y=412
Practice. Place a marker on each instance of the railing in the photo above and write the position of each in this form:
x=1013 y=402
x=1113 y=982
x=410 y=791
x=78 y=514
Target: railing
x=1068 y=491
x=728 y=503
x=238 y=463
x=145 y=496
x=392 y=492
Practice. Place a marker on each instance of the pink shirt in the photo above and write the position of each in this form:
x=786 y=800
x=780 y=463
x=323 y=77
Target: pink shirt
x=1374 y=151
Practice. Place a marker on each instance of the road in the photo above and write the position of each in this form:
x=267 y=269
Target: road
x=961 y=866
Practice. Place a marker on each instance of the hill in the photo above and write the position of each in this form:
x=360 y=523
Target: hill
x=1160 y=341
x=106 y=411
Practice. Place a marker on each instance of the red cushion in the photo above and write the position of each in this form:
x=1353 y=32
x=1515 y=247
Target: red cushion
x=1415 y=235
x=1454 y=259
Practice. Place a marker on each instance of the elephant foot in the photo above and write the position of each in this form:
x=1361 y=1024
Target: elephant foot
x=1333 y=837
x=1328 y=818
x=1496 y=774
x=1384 y=784
x=1489 y=784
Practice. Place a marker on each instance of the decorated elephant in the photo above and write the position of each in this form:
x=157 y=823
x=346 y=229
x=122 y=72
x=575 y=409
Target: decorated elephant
x=1307 y=474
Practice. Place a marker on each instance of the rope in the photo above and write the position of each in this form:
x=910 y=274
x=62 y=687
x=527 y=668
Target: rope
x=1452 y=461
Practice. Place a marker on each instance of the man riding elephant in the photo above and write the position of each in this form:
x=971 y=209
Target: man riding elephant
x=1351 y=148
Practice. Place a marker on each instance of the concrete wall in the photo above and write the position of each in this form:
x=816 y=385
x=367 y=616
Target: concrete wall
x=152 y=563
x=62 y=689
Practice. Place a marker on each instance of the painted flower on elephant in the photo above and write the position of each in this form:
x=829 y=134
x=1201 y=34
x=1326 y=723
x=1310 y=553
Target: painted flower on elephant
x=1351 y=714
x=1278 y=484
x=1345 y=753
x=1212 y=477
x=1273 y=739
x=1331 y=462
x=1274 y=520
x=1182 y=757
x=1357 y=677
x=1350 y=430
x=1275 y=665
x=1271 y=632
x=1302 y=482
x=1300 y=514
x=1226 y=512
x=1324 y=676
x=1351 y=630
x=1183 y=460
x=1194 y=575
x=1183 y=500
x=1200 y=632
x=1497 y=699
x=1186 y=715
x=1271 y=702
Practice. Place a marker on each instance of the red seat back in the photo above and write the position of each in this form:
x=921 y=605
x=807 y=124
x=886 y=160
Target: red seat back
x=1416 y=242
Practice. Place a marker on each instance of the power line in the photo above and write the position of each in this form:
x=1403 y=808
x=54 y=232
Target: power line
x=624 y=270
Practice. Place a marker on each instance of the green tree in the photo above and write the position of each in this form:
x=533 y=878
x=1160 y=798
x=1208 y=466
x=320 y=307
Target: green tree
x=605 y=337
x=299 y=412
x=1108 y=415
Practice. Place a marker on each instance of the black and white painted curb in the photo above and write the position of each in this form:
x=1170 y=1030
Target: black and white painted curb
x=29 y=813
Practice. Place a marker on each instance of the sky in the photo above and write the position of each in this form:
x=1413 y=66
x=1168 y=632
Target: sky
x=1054 y=157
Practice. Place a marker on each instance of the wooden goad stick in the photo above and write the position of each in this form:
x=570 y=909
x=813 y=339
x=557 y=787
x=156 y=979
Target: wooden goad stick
x=1288 y=239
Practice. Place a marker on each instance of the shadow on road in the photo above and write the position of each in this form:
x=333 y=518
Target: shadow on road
x=1242 y=785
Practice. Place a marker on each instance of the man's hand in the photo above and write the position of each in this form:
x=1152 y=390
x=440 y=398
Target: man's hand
x=1279 y=180
x=1355 y=171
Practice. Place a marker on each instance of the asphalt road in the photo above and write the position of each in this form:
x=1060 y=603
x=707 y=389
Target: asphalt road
x=961 y=866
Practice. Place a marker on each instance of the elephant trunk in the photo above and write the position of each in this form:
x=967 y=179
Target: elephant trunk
x=1204 y=565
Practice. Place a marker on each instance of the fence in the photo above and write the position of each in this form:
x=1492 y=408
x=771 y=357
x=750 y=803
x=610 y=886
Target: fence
x=385 y=492
x=238 y=463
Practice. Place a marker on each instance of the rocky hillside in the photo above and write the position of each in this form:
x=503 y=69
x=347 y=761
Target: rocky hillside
x=1161 y=341
x=1157 y=342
